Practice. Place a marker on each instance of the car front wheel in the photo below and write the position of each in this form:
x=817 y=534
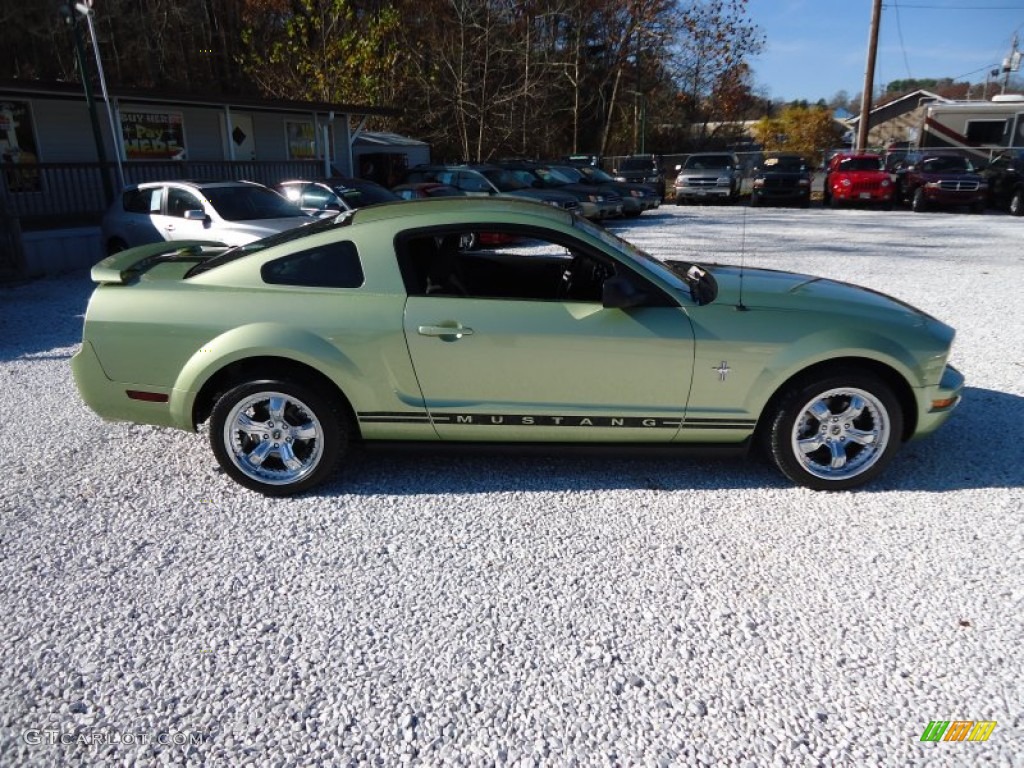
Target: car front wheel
x=277 y=437
x=835 y=432
x=919 y=203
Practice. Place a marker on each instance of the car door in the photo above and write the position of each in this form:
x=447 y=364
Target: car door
x=172 y=224
x=504 y=356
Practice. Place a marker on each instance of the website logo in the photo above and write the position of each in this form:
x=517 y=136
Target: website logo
x=958 y=730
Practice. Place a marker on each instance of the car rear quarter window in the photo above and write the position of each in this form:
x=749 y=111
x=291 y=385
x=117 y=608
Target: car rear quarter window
x=334 y=265
x=144 y=201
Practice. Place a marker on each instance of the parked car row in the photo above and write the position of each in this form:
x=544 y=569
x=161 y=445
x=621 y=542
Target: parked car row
x=240 y=212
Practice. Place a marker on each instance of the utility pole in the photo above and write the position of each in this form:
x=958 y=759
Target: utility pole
x=1011 y=63
x=869 y=77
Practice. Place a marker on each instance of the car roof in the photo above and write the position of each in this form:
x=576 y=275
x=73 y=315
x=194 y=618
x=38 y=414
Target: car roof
x=462 y=206
x=195 y=184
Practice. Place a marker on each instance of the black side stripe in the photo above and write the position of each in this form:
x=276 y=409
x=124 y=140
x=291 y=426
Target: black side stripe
x=530 y=420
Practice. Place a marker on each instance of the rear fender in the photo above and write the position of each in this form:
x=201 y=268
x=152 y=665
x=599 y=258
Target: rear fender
x=260 y=340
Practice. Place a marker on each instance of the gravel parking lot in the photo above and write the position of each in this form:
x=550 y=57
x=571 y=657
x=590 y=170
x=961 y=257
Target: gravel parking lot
x=529 y=610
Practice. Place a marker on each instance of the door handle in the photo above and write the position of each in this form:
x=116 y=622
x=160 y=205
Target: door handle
x=447 y=332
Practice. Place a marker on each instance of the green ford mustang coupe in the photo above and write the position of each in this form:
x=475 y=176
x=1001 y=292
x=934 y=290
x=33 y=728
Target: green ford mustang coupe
x=490 y=320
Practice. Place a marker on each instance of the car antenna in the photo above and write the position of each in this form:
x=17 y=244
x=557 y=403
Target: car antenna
x=740 y=306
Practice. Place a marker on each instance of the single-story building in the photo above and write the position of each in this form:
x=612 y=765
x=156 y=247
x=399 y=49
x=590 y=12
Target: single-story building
x=64 y=152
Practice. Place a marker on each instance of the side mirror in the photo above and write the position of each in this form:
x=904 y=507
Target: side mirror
x=196 y=214
x=619 y=293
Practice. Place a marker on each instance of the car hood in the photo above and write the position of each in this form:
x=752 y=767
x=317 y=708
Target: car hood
x=791 y=291
x=951 y=176
x=862 y=175
x=544 y=195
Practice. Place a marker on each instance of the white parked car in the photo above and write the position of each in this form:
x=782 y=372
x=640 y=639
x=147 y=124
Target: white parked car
x=231 y=212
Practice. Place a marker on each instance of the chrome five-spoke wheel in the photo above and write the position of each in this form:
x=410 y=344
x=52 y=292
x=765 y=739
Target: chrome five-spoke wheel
x=276 y=437
x=837 y=432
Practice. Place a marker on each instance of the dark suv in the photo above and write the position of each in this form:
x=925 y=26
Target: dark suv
x=781 y=178
x=930 y=180
x=1005 y=177
x=642 y=169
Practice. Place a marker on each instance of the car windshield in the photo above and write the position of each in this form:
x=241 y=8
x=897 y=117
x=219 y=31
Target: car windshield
x=231 y=254
x=504 y=180
x=708 y=163
x=364 y=193
x=595 y=174
x=950 y=164
x=245 y=203
x=571 y=174
x=641 y=163
x=553 y=176
x=860 y=164
x=633 y=254
x=784 y=164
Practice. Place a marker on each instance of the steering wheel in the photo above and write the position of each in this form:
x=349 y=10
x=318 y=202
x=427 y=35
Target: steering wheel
x=586 y=276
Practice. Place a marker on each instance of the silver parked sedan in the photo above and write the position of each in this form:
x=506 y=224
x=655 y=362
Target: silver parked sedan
x=231 y=212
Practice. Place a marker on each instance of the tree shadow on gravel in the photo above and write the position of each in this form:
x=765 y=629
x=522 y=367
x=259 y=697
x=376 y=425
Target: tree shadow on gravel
x=962 y=455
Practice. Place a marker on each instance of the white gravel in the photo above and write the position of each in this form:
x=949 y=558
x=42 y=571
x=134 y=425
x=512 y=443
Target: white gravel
x=527 y=611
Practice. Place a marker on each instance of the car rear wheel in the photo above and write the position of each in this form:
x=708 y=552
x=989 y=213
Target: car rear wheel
x=277 y=437
x=919 y=203
x=835 y=432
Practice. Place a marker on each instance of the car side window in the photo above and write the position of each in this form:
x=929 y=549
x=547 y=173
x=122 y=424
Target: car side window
x=141 y=200
x=180 y=200
x=334 y=265
x=501 y=263
x=317 y=197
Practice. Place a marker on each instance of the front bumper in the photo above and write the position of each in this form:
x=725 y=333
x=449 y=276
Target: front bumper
x=702 y=193
x=953 y=198
x=947 y=394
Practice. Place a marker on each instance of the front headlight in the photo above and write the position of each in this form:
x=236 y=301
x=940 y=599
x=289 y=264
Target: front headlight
x=758 y=183
x=635 y=193
x=845 y=182
x=619 y=178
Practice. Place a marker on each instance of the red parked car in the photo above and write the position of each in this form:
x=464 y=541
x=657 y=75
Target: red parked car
x=858 y=178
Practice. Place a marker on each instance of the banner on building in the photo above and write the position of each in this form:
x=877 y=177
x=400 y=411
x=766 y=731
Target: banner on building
x=153 y=135
x=18 y=147
x=301 y=139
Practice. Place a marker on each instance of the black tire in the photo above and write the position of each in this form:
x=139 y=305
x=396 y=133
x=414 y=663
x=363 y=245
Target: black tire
x=919 y=203
x=978 y=208
x=864 y=425
x=755 y=200
x=1017 y=203
x=309 y=431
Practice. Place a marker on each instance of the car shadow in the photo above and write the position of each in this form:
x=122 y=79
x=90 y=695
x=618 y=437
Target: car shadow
x=41 y=318
x=962 y=455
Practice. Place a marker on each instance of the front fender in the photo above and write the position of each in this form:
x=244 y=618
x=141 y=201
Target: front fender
x=826 y=346
x=257 y=340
